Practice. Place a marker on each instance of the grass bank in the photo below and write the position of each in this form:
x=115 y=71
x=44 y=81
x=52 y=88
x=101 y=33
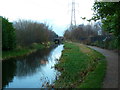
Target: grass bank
x=80 y=67
x=20 y=51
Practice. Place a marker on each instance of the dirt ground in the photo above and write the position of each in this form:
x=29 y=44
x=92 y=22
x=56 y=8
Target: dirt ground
x=111 y=77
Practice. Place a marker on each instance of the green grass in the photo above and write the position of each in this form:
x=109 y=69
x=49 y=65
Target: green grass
x=15 y=53
x=80 y=67
x=94 y=79
x=37 y=46
x=21 y=51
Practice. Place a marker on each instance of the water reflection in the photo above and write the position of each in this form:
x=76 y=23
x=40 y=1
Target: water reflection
x=8 y=72
x=32 y=71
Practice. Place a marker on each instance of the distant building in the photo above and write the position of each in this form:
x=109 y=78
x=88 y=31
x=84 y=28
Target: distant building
x=100 y=32
x=58 y=40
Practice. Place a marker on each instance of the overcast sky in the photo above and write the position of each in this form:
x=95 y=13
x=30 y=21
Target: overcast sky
x=56 y=13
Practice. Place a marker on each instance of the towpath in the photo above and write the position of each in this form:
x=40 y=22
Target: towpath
x=111 y=77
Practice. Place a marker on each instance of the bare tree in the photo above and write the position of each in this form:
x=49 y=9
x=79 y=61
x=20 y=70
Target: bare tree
x=29 y=32
x=81 y=33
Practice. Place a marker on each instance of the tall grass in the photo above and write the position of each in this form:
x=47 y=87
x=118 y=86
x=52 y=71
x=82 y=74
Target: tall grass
x=20 y=51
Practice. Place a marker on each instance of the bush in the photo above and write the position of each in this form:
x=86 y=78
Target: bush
x=8 y=35
x=111 y=44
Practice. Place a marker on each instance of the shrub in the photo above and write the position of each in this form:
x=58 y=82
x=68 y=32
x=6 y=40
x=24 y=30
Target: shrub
x=8 y=35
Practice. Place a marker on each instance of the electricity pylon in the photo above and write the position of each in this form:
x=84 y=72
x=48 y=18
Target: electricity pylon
x=73 y=16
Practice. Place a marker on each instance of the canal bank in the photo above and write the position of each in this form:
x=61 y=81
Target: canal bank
x=21 y=51
x=80 y=67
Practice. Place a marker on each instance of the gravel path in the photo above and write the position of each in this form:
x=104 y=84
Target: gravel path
x=111 y=77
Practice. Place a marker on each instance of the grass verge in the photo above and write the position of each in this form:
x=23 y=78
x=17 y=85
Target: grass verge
x=80 y=67
x=21 y=51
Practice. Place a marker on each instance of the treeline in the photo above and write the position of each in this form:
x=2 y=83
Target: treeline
x=28 y=32
x=24 y=33
x=81 y=33
x=91 y=35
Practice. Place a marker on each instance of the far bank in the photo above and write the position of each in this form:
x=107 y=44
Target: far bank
x=21 y=51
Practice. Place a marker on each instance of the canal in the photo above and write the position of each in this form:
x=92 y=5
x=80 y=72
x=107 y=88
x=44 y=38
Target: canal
x=32 y=71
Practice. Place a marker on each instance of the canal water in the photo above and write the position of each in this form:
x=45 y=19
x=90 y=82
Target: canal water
x=33 y=71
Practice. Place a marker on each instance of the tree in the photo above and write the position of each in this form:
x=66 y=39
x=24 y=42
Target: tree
x=28 y=32
x=80 y=33
x=109 y=13
x=8 y=35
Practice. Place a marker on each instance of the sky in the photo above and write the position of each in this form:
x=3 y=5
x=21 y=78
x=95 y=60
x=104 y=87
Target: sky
x=56 y=13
